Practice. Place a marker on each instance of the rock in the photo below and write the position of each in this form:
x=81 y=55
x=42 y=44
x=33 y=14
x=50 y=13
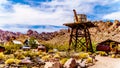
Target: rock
x=81 y=64
x=71 y=63
x=26 y=61
x=52 y=65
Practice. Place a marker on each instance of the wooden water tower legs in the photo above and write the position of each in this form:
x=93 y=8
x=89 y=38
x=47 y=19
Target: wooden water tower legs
x=76 y=39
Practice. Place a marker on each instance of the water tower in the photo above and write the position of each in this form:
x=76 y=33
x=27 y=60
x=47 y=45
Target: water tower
x=79 y=32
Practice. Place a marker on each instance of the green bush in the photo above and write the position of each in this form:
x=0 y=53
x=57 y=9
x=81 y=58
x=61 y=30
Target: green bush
x=32 y=42
x=94 y=46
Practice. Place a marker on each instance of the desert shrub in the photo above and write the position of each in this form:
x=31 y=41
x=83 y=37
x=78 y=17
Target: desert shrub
x=89 y=60
x=17 y=61
x=57 y=55
x=11 y=61
x=28 y=53
x=46 y=58
x=41 y=53
x=94 y=46
x=50 y=51
x=32 y=42
x=63 y=60
x=19 y=54
x=113 y=55
x=64 y=54
x=60 y=47
x=102 y=53
x=63 y=47
x=10 y=47
x=9 y=56
x=2 y=56
x=48 y=46
x=83 y=55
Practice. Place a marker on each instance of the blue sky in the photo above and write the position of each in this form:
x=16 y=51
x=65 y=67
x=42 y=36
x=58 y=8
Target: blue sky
x=31 y=14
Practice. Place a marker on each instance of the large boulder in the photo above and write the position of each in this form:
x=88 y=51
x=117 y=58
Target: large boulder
x=71 y=63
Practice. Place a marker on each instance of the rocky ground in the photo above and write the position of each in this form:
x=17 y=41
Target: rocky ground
x=106 y=62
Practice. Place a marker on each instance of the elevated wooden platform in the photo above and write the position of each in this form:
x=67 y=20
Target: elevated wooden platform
x=80 y=25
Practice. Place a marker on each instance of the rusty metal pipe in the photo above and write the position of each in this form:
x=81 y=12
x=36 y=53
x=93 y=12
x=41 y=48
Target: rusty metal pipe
x=75 y=14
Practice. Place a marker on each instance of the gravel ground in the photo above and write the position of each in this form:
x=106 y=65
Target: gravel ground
x=106 y=62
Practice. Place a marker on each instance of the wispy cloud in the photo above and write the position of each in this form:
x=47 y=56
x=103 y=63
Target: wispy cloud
x=54 y=12
x=25 y=28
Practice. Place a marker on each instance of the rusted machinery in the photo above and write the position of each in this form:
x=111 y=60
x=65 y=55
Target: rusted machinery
x=80 y=32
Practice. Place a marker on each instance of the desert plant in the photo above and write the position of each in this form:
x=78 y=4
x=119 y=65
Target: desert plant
x=2 y=56
x=94 y=46
x=56 y=56
x=46 y=58
x=28 y=53
x=32 y=42
x=63 y=60
x=102 y=53
x=17 y=61
x=89 y=60
x=83 y=55
x=10 y=61
x=10 y=47
x=19 y=54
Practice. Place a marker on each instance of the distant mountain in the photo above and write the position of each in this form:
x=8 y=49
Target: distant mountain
x=39 y=28
x=9 y=35
x=104 y=30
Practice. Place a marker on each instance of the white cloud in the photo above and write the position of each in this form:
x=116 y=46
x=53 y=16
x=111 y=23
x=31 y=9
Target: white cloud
x=55 y=12
x=112 y=16
x=3 y=1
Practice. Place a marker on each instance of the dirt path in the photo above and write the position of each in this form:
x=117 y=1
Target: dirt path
x=106 y=62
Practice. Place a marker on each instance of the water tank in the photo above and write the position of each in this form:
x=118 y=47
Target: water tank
x=81 y=18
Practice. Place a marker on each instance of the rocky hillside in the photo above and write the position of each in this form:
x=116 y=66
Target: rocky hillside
x=44 y=36
x=104 y=30
x=7 y=35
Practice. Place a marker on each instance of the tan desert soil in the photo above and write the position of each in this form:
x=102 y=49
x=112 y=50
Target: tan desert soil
x=106 y=62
